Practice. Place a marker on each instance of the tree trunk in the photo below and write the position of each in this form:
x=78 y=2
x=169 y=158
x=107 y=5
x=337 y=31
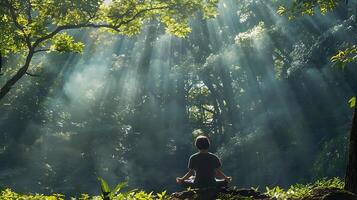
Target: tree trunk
x=233 y=112
x=351 y=172
x=19 y=74
x=0 y=63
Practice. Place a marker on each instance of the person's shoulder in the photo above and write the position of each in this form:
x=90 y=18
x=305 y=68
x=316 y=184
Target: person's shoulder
x=212 y=155
x=194 y=155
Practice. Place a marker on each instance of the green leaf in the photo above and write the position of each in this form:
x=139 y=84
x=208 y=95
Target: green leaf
x=343 y=57
x=104 y=186
x=161 y=195
x=65 y=43
x=119 y=187
x=352 y=102
x=281 y=10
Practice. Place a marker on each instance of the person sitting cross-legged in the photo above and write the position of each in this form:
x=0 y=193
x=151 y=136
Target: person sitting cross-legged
x=206 y=168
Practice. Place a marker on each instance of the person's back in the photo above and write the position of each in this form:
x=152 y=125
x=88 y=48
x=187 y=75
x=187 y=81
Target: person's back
x=204 y=165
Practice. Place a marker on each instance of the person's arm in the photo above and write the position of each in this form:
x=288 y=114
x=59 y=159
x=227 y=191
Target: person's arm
x=221 y=175
x=186 y=176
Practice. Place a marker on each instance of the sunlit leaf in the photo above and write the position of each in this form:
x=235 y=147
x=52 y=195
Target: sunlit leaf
x=352 y=102
x=104 y=186
x=119 y=187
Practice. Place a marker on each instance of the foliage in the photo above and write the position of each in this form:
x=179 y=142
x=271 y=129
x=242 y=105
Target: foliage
x=302 y=7
x=65 y=43
x=36 y=23
x=296 y=191
x=33 y=26
x=299 y=191
x=352 y=102
x=8 y=194
x=343 y=57
x=107 y=192
x=307 y=7
x=252 y=36
x=201 y=110
x=114 y=194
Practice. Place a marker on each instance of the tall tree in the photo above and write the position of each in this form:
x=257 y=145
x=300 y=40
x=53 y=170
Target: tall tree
x=351 y=172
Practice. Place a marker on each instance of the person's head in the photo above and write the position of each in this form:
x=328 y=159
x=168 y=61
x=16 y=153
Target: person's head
x=202 y=142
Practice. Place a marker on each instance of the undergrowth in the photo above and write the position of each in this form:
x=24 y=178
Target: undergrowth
x=296 y=191
x=299 y=191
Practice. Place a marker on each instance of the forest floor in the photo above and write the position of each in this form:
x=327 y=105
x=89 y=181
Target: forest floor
x=324 y=189
x=231 y=193
x=234 y=193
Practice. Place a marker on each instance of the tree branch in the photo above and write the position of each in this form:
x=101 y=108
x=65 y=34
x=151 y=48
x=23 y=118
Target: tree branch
x=33 y=75
x=141 y=12
x=19 y=74
x=92 y=25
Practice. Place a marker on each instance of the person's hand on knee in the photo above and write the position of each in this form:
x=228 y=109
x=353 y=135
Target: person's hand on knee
x=179 y=180
x=228 y=179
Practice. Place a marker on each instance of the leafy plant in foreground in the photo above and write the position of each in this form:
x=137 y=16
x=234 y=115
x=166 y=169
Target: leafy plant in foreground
x=299 y=191
x=8 y=194
x=108 y=194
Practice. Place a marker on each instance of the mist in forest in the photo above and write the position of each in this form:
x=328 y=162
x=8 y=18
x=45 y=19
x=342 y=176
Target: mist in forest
x=127 y=109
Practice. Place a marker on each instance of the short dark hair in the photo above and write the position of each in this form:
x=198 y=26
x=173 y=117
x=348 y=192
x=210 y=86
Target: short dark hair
x=202 y=142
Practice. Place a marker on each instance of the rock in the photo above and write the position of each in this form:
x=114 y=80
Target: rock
x=234 y=193
x=218 y=193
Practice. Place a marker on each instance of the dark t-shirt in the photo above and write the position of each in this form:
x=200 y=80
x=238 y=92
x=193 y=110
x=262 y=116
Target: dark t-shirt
x=204 y=165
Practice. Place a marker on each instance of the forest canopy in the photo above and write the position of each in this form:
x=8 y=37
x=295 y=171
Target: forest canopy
x=30 y=26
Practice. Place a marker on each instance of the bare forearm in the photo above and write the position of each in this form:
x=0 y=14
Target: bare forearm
x=220 y=174
x=188 y=174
